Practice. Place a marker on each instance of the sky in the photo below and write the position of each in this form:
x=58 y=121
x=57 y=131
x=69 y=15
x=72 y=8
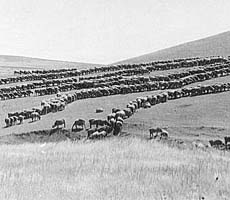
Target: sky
x=105 y=31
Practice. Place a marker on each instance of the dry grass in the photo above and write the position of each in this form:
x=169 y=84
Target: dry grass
x=112 y=169
x=196 y=118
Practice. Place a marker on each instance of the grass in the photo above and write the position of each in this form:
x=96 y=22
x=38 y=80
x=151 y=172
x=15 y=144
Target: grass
x=196 y=118
x=112 y=169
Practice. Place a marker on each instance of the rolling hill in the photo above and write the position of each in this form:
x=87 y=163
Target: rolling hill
x=214 y=45
x=28 y=62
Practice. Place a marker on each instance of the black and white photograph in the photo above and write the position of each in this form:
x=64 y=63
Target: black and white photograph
x=114 y=100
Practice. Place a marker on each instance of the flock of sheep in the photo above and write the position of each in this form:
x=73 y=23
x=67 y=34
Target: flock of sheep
x=113 y=123
x=123 y=79
x=46 y=82
x=219 y=144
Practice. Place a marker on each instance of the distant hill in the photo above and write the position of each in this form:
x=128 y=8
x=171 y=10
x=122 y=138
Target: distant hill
x=38 y=63
x=214 y=45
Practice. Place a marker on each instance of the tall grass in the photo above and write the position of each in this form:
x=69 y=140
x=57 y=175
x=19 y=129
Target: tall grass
x=112 y=169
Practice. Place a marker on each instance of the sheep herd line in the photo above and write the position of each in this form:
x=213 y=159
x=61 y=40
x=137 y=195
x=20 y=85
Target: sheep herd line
x=124 y=79
x=114 y=121
x=128 y=79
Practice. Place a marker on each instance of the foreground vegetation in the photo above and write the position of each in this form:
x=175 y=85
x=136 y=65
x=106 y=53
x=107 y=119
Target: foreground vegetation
x=130 y=168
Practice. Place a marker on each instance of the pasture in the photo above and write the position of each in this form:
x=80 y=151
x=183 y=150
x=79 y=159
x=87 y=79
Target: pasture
x=163 y=113
x=200 y=118
x=130 y=168
x=38 y=162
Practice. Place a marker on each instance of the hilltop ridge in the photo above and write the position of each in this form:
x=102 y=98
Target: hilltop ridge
x=23 y=61
x=211 y=46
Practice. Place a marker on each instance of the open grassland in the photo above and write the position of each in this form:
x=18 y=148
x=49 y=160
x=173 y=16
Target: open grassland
x=130 y=168
x=194 y=118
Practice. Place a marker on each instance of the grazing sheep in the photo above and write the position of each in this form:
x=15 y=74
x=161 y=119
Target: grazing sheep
x=114 y=110
x=121 y=114
x=131 y=107
x=164 y=134
x=35 y=116
x=216 y=143
x=59 y=123
x=226 y=140
x=158 y=132
x=8 y=122
x=117 y=128
x=146 y=105
x=154 y=132
x=77 y=123
x=111 y=116
x=120 y=119
x=99 y=110
x=90 y=132
x=20 y=119
x=128 y=113
x=112 y=122
x=98 y=122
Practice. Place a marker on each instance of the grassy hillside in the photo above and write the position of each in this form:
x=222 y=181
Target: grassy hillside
x=112 y=169
x=214 y=45
x=199 y=118
x=27 y=62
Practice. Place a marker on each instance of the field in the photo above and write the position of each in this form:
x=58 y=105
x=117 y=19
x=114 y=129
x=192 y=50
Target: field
x=130 y=168
x=197 y=118
x=35 y=164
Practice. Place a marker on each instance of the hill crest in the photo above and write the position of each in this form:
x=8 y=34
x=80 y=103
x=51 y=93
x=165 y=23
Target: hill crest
x=211 y=46
x=31 y=62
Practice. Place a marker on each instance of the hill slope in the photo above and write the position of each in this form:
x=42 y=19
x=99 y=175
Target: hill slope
x=28 y=62
x=214 y=45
